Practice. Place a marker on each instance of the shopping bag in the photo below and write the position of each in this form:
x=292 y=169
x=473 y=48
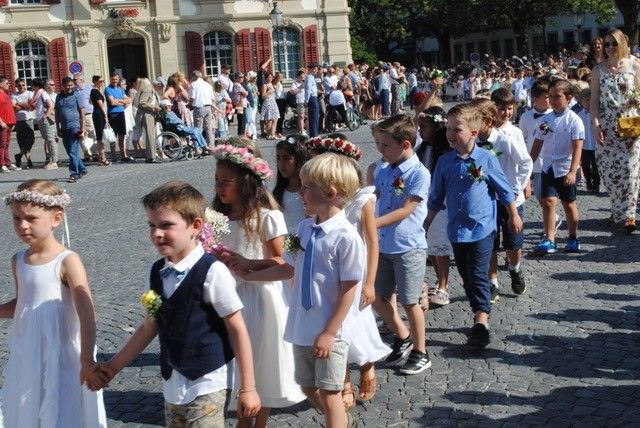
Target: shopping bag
x=108 y=136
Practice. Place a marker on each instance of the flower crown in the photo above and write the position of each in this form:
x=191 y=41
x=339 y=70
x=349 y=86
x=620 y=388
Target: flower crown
x=241 y=156
x=37 y=198
x=336 y=145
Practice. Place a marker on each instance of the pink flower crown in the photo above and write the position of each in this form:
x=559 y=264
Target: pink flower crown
x=37 y=198
x=336 y=145
x=241 y=156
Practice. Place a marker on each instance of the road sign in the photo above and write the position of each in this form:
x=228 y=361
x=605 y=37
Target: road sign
x=75 y=67
x=474 y=57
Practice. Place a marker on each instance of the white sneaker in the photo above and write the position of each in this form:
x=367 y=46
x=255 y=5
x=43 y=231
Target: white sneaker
x=4 y=169
x=51 y=165
x=12 y=167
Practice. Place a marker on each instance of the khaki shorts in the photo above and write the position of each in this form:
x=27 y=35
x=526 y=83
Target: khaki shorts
x=300 y=108
x=326 y=373
x=206 y=411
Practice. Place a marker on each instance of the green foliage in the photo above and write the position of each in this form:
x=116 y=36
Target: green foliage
x=360 y=51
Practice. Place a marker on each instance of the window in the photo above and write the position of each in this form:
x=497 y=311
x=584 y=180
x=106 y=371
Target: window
x=25 y=1
x=569 y=39
x=217 y=52
x=538 y=44
x=457 y=52
x=508 y=48
x=482 y=47
x=552 y=42
x=471 y=48
x=495 y=48
x=286 y=51
x=585 y=36
x=31 y=56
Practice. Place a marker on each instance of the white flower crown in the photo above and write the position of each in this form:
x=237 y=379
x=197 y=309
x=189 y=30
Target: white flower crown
x=37 y=198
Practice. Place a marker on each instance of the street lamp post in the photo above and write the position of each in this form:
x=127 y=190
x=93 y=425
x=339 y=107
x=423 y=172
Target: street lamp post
x=578 y=21
x=276 y=21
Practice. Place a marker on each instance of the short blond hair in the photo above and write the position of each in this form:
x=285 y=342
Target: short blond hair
x=399 y=127
x=487 y=109
x=469 y=113
x=330 y=170
x=177 y=196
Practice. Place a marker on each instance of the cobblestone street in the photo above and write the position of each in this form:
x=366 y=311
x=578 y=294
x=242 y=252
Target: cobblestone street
x=567 y=352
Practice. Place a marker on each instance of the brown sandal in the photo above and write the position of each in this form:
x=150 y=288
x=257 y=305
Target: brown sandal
x=368 y=388
x=346 y=392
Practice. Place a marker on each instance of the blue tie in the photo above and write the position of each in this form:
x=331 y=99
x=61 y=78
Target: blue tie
x=307 y=270
x=165 y=272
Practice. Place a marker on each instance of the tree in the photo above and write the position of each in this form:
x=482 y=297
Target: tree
x=630 y=9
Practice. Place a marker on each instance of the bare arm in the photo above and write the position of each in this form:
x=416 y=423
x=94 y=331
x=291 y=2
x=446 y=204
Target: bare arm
x=274 y=273
x=134 y=346
x=324 y=342
x=248 y=399
x=536 y=148
x=8 y=309
x=575 y=162
x=274 y=248
x=409 y=206
x=371 y=240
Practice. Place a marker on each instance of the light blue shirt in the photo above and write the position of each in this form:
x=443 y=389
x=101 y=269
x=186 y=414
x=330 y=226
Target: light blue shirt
x=310 y=87
x=471 y=203
x=407 y=234
x=589 y=139
x=118 y=94
x=83 y=94
x=384 y=81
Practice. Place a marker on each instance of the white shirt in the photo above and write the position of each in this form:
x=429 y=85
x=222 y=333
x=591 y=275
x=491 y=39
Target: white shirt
x=299 y=87
x=558 y=142
x=41 y=105
x=22 y=98
x=220 y=291
x=589 y=136
x=339 y=255
x=329 y=82
x=336 y=98
x=226 y=82
x=528 y=125
x=292 y=210
x=511 y=151
x=519 y=90
x=201 y=92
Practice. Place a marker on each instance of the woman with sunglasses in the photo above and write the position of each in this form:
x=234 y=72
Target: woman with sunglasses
x=99 y=116
x=615 y=84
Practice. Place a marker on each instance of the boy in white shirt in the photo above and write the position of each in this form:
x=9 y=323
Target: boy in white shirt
x=509 y=147
x=559 y=138
x=328 y=257
x=588 y=161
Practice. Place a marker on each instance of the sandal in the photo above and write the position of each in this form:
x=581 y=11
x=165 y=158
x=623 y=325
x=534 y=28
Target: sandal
x=105 y=162
x=72 y=179
x=348 y=403
x=630 y=225
x=368 y=388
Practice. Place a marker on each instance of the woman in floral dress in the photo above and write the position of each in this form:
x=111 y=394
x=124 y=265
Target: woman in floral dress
x=269 y=113
x=615 y=88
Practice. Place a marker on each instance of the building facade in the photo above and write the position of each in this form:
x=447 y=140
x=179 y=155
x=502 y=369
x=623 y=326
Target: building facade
x=53 y=38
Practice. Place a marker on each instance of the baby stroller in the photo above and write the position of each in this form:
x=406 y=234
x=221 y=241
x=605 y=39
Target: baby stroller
x=175 y=143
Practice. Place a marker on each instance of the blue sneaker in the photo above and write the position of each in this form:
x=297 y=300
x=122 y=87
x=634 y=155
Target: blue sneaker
x=546 y=247
x=572 y=246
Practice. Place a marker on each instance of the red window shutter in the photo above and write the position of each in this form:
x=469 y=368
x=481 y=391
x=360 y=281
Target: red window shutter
x=58 y=60
x=263 y=46
x=195 y=54
x=310 y=42
x=97 y=1
x=4 y=3
x=244 y=58
x=6 y=63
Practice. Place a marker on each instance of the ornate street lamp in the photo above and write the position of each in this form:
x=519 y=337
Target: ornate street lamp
x=276 y=21
x=578 y=22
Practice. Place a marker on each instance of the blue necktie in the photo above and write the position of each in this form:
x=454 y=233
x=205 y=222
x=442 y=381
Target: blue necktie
x=307 y=270
x=165 y=272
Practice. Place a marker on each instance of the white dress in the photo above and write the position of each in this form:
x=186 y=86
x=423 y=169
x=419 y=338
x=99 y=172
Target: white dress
x=265 y=314
x=41 y=379
x=360 y=324
x=292 y=209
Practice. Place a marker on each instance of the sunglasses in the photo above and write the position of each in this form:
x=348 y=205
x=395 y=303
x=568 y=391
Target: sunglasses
x=610 y=45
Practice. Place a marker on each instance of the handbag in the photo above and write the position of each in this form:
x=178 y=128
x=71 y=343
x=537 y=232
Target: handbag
x=628 y=127
x=87 y=143
x=108 y=136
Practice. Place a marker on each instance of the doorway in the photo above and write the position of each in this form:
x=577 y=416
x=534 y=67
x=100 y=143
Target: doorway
x=127 y=55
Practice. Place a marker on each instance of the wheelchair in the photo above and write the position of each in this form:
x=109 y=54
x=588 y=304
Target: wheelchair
x=174 y=144
x=352 y=119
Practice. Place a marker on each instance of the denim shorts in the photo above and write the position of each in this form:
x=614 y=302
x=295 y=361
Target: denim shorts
x=322 y=373
x=553 y=187
x=401 y=273
x=510 y=240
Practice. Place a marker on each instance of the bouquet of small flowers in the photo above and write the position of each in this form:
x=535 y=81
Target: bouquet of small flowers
x=398 y=186
x=215 y=225
x=545 y=128
x=292 y=244
x=476 y=172
x=151 y=301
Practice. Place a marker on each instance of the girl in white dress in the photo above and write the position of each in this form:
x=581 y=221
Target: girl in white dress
x=291 y=154
x=432 y=128
x=52 y=338
x=256 y=243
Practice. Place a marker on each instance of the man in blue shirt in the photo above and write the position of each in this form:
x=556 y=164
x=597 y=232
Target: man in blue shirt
x=311 y=98
x=470 y=180
x=70 y=123
x=117 y=101
x=83 y=92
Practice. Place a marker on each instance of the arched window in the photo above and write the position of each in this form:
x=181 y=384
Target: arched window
x=286 y=51
x=31 y=56
x=217 y=51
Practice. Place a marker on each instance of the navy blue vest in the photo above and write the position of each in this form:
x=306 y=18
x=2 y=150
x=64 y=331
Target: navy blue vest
x=193 y=337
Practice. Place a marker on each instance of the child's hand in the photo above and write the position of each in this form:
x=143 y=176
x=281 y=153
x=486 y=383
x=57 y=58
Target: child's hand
x=237 y=262
x=528 y=191
x=243 y=274
x=248 y=404
x=570 y=179
x=92 y=377
x=323 y=345
x=368 y=296
x=515 y=224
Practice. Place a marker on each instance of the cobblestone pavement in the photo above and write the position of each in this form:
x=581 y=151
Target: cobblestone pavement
x=564 y=353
